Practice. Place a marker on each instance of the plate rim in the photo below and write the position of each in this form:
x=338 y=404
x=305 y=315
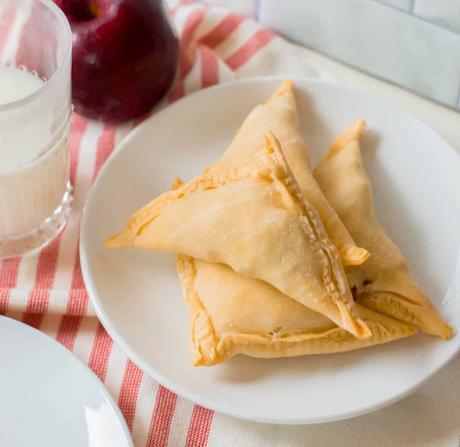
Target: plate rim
x=66 y=353
x=165 y=381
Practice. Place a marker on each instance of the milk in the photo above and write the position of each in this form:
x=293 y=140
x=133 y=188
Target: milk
x=33 y=156
x=20 y=140
x=16 y=84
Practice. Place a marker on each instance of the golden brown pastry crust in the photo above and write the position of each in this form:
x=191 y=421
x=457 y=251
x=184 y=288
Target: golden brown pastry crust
x=231 y=315
x=254 y=219
x=279 y=115
x=384 y=282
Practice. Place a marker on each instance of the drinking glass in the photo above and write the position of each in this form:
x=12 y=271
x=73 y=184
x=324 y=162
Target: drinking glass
x=35 y=192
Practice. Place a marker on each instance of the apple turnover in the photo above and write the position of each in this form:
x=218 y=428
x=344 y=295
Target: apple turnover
x=253 y=218
x=384 y=283
x=279 y=115
x=232 y=314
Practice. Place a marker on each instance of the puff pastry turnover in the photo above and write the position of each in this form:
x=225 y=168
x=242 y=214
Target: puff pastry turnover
x=254 y=219
x=279 y=115
x=232 y=314
x=384 y=282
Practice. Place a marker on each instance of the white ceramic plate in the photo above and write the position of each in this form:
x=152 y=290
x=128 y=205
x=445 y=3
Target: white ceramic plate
x=49 y=398
x=416 y=178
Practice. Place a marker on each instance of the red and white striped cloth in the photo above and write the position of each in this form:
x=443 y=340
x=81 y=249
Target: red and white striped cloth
x=47 y=291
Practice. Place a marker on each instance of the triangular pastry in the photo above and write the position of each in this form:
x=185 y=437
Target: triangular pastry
x=254 y=219
x=279 y=115
x=384 y=282
x=232 y=314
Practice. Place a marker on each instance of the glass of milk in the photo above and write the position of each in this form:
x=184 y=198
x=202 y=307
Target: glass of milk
x=35 y=114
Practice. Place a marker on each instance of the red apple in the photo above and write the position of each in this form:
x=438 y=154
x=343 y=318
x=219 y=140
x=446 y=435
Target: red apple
x=124 y=58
